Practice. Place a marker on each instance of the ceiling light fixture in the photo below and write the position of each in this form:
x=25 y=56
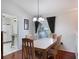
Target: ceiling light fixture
x=38 y=18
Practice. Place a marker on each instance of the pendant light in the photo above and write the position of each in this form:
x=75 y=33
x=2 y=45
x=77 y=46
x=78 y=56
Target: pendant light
x=38 y=18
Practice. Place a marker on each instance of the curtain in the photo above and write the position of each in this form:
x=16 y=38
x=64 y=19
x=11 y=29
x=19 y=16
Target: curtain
x=36 y=26
x=51 y=23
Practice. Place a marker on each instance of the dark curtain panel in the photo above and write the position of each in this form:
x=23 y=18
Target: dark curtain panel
x=36 y=26
x=51 y=23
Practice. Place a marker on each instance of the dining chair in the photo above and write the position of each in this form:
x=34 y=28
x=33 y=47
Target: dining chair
x=58 y=43
x=28 y=51
x=54 y=50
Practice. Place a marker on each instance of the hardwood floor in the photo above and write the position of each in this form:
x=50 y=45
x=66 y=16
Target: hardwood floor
x=61 y=55
x=15 y=55
x=64 y=55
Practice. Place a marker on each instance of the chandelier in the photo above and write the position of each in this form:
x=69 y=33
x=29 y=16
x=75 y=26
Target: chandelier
x=38 y=18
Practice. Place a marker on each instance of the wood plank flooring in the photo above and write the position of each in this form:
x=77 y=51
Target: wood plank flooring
x=64 y=55
x=61 y=55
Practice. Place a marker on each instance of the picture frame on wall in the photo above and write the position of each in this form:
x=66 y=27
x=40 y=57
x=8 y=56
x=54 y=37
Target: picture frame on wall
x=26 y=24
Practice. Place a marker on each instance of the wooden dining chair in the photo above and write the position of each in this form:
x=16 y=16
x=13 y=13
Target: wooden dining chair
x=54 y=50
x=28 y=49
x=58 y=43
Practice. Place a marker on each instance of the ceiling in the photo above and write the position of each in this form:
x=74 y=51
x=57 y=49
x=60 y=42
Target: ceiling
x=46 y=7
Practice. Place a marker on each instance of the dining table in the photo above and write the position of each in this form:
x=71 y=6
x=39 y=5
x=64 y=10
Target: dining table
x=43 y=45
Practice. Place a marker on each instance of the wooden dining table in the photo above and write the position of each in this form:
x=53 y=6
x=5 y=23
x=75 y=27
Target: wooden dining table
x=43 y=45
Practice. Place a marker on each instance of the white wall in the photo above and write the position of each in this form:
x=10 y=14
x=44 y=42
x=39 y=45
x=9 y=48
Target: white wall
x=66 y=24
x=11 y=8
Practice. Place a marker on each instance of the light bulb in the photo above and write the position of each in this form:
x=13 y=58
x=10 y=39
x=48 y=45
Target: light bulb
x=40 y=19
x=34 y=19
